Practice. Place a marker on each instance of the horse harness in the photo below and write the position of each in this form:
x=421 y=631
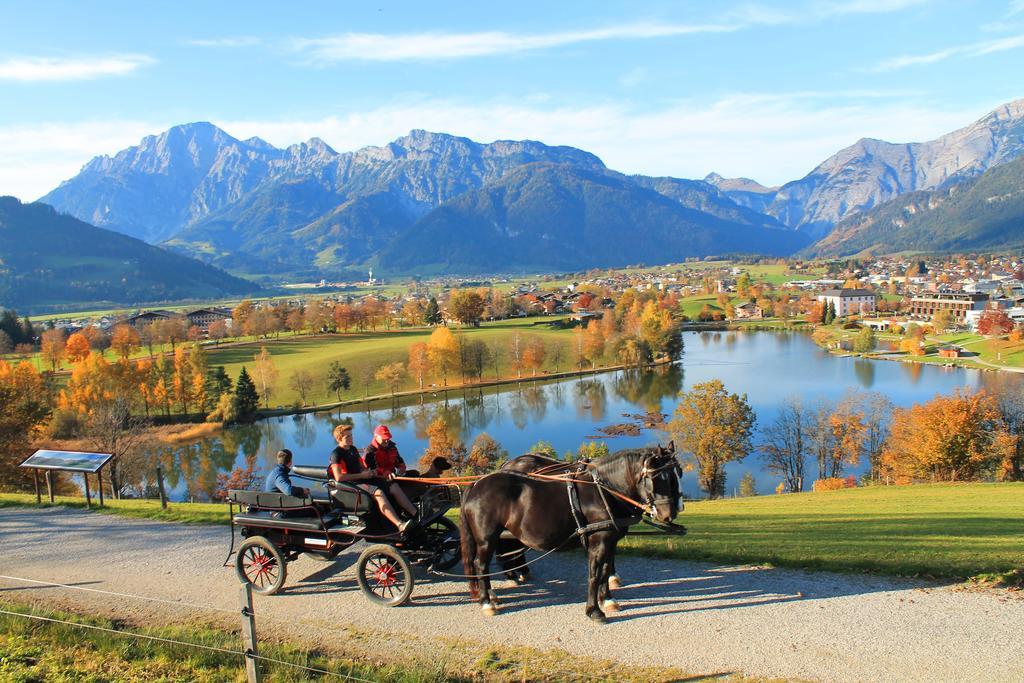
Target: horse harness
x=584 y=528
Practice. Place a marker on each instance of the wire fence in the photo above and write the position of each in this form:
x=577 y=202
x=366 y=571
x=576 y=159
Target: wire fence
x=245 y=611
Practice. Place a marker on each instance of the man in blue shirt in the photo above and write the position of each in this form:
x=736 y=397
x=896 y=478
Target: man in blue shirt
x=279 y=480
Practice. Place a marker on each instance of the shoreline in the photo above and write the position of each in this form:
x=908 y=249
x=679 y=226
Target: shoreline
x=485 y=384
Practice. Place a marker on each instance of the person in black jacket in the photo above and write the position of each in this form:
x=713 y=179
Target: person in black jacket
x=347 y=466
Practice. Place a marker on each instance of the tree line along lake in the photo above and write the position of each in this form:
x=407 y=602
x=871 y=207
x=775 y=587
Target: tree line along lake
x=769 y=367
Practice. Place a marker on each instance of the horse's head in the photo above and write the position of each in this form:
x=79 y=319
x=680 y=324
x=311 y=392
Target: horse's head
x=658 y=482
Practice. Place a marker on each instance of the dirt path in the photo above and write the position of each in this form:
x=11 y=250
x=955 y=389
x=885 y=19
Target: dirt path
x=701 y=618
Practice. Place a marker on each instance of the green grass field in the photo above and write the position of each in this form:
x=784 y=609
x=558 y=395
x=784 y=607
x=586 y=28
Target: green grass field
x=940 y=530
x=360 y=353
x=952 y=531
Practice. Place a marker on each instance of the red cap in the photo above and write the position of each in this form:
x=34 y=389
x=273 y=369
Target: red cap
x=382 y=431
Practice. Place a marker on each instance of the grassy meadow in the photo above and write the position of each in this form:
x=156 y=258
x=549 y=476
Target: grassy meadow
x=938 y=530
x=362 y=353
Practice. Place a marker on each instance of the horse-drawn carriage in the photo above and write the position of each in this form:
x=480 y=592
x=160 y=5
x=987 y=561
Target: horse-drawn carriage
x=276 y=529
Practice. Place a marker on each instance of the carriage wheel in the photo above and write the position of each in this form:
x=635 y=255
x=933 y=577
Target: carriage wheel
x=260 y=564
x=444 y=538
x=385 y=575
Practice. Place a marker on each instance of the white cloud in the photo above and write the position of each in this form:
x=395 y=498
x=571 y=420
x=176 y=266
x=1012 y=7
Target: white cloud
x=30 y=69
x=772 y=138
x=384 y=47
x=967 y=51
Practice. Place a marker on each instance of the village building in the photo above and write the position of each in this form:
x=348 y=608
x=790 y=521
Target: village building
x=204 y=317
x=747 y=310
x=924 y=306
x=147 y=318
x=849 y=301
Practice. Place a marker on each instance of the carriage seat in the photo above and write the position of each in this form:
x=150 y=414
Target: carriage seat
x=351 y=499
x=267 y=499
x=317 y=472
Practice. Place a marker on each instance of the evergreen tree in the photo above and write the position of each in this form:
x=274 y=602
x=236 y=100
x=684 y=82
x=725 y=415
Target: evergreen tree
x=219 y=383
x=9 y=324
x=247 y=400
x=830 y=313
x=432 y=316
x=28 y=332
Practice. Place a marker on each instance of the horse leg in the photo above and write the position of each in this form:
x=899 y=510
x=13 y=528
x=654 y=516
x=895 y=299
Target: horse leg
x=597 y=552
x=613 y=576
x=604 y=594
x=488 y=599
x=513 y=556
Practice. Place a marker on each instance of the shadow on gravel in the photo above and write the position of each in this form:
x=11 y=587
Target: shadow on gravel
x=654 y=591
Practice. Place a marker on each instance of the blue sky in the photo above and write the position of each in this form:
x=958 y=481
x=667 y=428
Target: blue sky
x=754 y=88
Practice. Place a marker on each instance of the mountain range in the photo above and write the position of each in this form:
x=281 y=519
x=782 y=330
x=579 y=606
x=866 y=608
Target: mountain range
x=871 y=172
x=438 y=203
x=309 y=210
x=982 y=213
x=51 y=259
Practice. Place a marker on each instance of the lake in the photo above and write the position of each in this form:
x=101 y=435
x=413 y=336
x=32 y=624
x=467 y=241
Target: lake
x=767 y=366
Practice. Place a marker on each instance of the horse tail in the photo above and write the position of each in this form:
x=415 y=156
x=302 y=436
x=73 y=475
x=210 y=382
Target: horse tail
x=468 y=544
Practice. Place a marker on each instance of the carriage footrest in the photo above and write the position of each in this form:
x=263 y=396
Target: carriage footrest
x=267 y=519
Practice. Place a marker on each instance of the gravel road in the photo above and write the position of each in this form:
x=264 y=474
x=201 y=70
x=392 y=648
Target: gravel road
x=704 y=619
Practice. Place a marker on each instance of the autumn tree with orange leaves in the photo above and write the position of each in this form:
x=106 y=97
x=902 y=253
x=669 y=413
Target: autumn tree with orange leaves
x=959 y=437
x=77 y=347
x=125 y=341
x=24 y=410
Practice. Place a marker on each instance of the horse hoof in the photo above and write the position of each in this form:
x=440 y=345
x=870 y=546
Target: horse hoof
x=610 y=606
x=614 y=581
x=597 y=616
x=522 y=578
x=489 y=610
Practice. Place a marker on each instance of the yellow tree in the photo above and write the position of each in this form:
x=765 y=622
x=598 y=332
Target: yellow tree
x=92 y=384
x=950 y=438
x=419 y=362
x=125 y=341
x=265 y=374
x=182 y=379
x=444 y=352
x=848 y=434
x=199 y=368
x=391 y=375
x=593 y=342
x=715 y=427
x=51 y=347
x=24 y=409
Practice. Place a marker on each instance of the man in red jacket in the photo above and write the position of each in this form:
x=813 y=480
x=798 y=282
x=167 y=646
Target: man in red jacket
x=382 y=457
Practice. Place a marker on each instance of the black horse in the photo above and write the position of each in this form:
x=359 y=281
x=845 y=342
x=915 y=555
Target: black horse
x=540 y=513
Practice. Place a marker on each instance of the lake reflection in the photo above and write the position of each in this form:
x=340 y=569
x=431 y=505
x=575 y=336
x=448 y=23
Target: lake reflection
x=767 y=366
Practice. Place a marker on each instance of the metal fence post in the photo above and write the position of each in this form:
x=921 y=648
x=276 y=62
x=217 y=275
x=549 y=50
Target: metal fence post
x=160 y=486
x=252 y=669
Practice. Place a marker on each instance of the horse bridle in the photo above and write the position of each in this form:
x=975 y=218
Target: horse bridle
x=648 y=475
